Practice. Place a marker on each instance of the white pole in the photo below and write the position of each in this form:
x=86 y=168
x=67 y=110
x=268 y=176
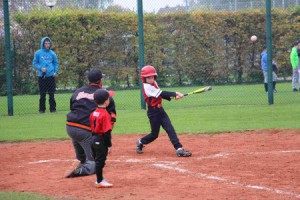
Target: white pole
x=235 y=5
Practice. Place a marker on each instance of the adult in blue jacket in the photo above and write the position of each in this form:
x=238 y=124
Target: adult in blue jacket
x=264 y=67
x=46 y=62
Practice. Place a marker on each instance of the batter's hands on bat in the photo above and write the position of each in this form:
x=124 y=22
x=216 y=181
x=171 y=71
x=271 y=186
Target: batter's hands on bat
x=179 y=95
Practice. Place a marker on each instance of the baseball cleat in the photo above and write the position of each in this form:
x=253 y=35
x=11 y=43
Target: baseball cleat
x=103 y=184
x=180 y=152
x=139 y=147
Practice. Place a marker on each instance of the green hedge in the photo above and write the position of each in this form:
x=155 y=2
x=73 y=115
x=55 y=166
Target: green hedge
x=185 y=47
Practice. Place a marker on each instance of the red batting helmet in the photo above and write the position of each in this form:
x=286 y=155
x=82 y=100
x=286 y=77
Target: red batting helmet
x=148 y=71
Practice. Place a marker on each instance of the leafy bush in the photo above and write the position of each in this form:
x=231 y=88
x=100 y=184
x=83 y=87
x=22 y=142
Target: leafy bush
x=185 y=47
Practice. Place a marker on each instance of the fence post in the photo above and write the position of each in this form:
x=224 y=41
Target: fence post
x=141 y=46
x=8 y=59
x=269 y=51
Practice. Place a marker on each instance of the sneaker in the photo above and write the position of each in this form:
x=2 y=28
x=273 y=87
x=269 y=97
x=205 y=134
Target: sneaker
x=295 y=90
x=139 y=147
x=74 y=170
x=103 y=184
x=180 y=152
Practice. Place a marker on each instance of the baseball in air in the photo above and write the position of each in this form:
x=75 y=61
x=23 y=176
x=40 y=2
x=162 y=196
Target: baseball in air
x=253 y=38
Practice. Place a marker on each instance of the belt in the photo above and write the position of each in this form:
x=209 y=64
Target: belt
x=79 y=125
x=101 y=135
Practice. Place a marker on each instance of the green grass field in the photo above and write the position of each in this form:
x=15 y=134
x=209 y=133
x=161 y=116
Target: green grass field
x=131 y=99
x=224 y=109
x=10 y=195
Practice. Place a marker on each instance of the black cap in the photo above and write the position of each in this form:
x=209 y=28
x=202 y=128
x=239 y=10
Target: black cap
x=101 y=95
x=94 y=76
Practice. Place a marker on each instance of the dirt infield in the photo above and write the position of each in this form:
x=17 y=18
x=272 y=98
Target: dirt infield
x=250 y=165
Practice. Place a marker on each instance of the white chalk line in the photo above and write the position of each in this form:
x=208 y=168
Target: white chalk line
x=145 y=160
x=126 y=160
x=50 y=160
x=220 y=179
x=227 y=154
x=219 y=155
x=170 y=165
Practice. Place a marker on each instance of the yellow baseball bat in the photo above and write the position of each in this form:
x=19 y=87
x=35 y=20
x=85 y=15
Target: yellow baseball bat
x=205 y=89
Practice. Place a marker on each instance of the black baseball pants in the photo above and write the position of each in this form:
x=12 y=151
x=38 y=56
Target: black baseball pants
x=100 y=151
x=158 y=117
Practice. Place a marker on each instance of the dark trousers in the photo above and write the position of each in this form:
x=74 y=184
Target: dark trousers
x=100 y=151
x=158 y=117
x=47 y=85
x=82 y=142
x=81 y=139
x=266 y=86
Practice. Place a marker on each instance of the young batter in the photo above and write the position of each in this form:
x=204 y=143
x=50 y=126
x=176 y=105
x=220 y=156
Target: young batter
x=100 y=121
x=156 y=113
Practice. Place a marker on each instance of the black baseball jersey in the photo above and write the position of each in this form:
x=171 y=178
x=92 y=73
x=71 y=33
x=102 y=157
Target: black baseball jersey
x=82 y=104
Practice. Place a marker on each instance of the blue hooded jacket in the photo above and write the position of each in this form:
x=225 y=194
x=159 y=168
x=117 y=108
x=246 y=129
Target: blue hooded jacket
x=45 y=58
x=264 y=61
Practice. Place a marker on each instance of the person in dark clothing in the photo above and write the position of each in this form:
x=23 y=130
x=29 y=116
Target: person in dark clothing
x=78 y=127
